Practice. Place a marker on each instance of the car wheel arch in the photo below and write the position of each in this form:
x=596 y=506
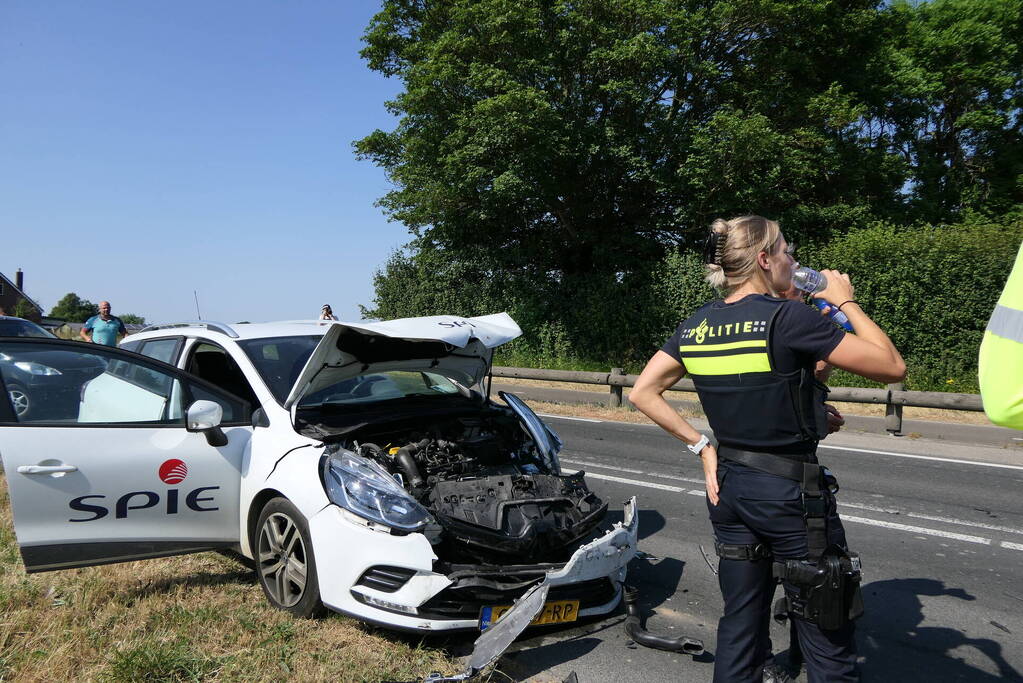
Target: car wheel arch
x=259 y=501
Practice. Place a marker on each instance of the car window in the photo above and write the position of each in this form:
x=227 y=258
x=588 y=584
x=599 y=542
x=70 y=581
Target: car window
x=77 y=384
x=381 y=386
x=165 y=350
x=213 y=364
x=279 y=360
x=86 y=385
x=235 y=411
x=12 y=327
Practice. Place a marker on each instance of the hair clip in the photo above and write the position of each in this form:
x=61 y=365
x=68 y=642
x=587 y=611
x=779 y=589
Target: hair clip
x=713 y=248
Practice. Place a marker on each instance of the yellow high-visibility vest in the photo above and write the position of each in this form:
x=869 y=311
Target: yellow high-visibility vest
x=1000 y=366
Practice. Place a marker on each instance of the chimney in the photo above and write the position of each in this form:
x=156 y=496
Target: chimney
x=19 y=280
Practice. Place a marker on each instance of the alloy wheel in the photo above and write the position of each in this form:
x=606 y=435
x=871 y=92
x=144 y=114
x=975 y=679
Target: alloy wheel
x=282 y=559
x=20 y=401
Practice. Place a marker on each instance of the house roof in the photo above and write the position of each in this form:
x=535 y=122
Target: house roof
x=22 y=293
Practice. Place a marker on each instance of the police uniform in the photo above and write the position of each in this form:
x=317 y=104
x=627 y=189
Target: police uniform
x=752 y=362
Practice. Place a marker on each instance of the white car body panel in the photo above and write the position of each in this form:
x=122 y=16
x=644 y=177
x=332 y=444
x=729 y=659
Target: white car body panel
x=113 y=463
x=606 y=556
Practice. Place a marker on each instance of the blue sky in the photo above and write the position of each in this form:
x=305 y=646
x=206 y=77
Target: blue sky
x=151 y=148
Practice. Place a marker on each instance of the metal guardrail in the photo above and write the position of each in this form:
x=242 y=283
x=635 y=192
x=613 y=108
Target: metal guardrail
x=894 y=398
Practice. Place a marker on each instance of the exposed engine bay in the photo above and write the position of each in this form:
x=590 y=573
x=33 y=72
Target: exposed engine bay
x=494 y=493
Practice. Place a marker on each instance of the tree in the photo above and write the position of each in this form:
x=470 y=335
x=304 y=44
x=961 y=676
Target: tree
x=950 y=105
x=132 y=319
x=24 y=309
x=565 y=148
x=74 y=309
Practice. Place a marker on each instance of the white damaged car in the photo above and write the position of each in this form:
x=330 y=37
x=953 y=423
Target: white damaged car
x=360 y=466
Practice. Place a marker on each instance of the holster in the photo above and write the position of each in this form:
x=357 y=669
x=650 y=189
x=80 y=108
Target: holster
x=828 y=591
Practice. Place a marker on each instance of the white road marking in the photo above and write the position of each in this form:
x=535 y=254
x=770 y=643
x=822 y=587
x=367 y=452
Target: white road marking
x=931 y=518
x=835 y=448
x=918 y=530
x=923 y=457
x=566 y=417
x=980 y=540
x=854 y=506
x=675 y=477
x=636 y=482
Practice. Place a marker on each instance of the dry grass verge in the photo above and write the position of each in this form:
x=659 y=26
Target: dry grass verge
x=191 y=618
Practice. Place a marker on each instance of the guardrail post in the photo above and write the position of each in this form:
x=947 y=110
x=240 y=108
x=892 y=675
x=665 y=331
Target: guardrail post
x=893 y=412
x=615 y=400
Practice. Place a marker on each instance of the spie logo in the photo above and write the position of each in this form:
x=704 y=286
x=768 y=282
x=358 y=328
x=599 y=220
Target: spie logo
x=173 y=471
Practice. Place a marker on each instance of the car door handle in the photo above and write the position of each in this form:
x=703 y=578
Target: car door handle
x=45 y=469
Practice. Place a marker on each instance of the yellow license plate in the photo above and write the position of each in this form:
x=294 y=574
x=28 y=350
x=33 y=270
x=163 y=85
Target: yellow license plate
x=555 y=612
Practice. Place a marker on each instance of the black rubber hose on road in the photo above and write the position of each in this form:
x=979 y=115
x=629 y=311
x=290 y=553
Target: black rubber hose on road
x=634 y=627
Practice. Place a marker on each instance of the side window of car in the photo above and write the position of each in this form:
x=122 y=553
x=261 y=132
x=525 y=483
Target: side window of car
x=213 y=364
x=73 y=384
x=235 y=411
x=165 y=350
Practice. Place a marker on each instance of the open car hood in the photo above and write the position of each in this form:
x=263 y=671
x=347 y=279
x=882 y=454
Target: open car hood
x=456 y=347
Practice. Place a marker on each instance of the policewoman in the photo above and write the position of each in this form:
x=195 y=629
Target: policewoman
x=751 y=356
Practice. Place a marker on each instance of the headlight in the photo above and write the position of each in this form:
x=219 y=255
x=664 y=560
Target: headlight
x=37 y=368
x=365 y=488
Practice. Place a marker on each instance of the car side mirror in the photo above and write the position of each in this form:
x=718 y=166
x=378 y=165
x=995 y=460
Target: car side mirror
x=205 y=416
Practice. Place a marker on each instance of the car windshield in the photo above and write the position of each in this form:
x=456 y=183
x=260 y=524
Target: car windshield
x=11 y=327
x=380 y=386
x=279 y=360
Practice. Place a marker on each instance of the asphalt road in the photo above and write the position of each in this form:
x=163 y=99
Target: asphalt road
x=939 y=527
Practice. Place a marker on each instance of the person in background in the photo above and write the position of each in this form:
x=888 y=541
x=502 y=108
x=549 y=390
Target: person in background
x=103 y=328
x=1000 y=366
x=326 y=313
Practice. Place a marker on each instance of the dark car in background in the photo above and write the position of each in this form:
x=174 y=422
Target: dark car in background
x=37 y=383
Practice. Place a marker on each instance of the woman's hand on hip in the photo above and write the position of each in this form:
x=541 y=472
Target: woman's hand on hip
x=709 y=455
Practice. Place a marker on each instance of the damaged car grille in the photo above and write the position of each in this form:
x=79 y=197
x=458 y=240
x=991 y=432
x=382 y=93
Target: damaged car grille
x=523 y=517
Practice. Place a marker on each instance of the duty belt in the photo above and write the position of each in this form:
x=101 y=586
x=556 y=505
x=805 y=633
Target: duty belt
x=797 y=467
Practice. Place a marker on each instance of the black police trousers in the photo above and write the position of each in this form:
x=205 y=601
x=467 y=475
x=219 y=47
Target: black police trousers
x=757 y=507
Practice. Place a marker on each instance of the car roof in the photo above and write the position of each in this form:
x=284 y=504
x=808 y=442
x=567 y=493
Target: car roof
x=235 y=331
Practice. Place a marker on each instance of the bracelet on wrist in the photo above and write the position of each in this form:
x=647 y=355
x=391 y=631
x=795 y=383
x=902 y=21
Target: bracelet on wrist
x=847 y=301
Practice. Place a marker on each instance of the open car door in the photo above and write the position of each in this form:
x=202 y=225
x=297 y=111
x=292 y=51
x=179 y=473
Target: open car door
x=119 y=457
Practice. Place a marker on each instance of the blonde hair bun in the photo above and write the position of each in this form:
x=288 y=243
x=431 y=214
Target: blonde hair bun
x=736 y=245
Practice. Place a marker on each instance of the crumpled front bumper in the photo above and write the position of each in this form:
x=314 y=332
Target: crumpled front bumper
x=604 y=557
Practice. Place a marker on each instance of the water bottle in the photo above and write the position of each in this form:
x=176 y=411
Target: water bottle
x=811 y=282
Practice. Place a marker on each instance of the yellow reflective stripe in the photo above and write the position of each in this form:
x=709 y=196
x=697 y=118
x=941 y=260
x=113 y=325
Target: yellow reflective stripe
x=727 y=365
x=748 y=344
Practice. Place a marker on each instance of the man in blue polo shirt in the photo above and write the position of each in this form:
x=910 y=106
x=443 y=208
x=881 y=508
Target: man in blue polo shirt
x=103 y=328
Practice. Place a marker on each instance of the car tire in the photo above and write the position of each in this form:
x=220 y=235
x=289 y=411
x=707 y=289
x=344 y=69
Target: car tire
x=285 y=564
x=21 y=401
